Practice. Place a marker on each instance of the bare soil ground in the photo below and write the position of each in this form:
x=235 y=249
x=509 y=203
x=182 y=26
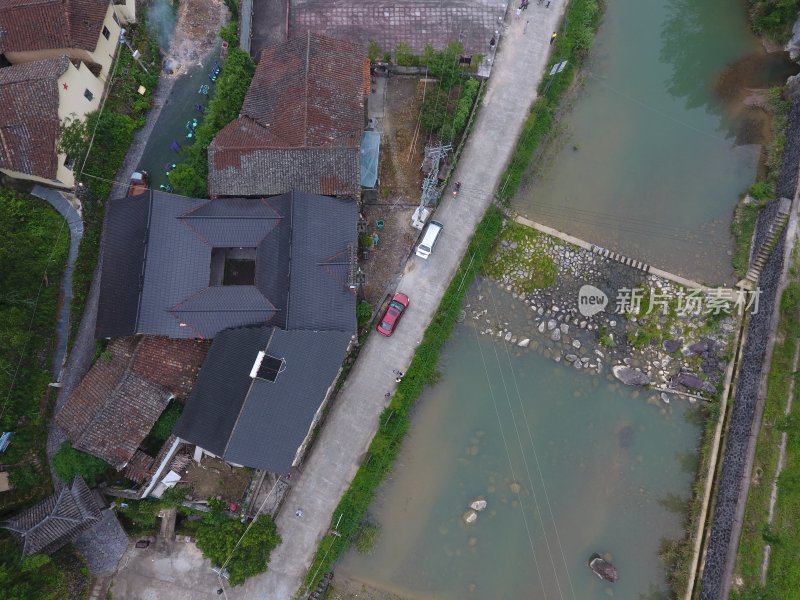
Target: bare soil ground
x=199 y=22
x=212 y=477
x=400 y=187
x=350 y=589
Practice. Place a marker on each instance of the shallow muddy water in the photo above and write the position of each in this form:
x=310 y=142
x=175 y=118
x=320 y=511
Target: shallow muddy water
x=593 y=461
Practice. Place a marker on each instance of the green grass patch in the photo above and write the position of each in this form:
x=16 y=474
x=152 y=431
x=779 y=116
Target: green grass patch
x=573 y=44
x=520 y=255
x=69 y=462
x=773 y=18
x=783 y=576
x=34 y=242
x=349 y=516
x=36 y=576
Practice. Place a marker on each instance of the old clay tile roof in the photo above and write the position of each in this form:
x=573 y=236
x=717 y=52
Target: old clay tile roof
x=30 y=25
x=119 y=400
x=57 y=520
x=300 y=125
x=29 y=116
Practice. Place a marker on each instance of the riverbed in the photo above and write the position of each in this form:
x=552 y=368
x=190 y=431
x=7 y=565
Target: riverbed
x=657 y=148
x=596 y=467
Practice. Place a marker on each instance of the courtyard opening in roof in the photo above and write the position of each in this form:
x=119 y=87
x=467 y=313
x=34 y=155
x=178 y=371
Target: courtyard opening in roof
x=233 y=266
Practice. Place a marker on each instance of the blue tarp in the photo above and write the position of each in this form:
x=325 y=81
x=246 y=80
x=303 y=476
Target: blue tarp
x=370 y=150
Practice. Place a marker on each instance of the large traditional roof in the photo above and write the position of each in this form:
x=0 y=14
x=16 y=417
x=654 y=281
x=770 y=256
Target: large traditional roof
x=252 y=421
x=30 y=25
x=300 y=125
x=121 y=397
x=29 y=120
x=56 y=521
x=157 y=274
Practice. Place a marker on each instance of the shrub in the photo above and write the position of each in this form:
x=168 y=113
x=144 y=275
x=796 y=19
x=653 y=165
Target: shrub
x=163 y=427
x=69 y=462
x=364 y=313
x=218 y=534
x=373 y=51
x=403 y=55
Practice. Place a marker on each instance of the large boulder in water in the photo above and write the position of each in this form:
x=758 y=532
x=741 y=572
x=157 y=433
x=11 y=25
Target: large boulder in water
x=630 y=376
x=470 y=517
x=478 y=504
x=603 y=569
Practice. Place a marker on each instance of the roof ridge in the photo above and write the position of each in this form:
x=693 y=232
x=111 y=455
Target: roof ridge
x=305 y=94
x=246 y=396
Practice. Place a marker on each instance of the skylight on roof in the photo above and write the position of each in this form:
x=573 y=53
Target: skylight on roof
x=267 y=367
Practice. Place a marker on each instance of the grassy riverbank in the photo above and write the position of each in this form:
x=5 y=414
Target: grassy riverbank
x=783 y=576
x=581 y=21
x=763 y=190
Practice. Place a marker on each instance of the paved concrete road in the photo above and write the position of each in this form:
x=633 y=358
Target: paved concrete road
x=354 y=418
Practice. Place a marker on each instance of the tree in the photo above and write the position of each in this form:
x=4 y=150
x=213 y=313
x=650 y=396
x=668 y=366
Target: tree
x=373 y=51
x=35 y=576
x=69 y=462
x=73 y=139
x=218 y=535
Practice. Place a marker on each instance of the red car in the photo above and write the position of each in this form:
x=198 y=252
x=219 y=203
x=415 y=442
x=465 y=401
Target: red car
x=394 y=312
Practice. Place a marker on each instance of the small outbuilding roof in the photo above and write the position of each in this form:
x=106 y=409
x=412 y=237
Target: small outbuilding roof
x=56 y=521
x=300 y=125
x=260 y=417
x=121 y=397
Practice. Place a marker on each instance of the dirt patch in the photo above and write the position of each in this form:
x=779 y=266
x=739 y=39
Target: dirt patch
x=196 y=33
x=212 y=477
x=400 y=187
x=349 y=589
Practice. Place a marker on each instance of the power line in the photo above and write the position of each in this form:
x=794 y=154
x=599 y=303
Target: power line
x=535 y=454
x=510 y=464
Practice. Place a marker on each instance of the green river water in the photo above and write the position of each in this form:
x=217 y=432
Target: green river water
x=656 y=151
x=651 y=160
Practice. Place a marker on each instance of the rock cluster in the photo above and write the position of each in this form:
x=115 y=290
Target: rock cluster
x=689 y=359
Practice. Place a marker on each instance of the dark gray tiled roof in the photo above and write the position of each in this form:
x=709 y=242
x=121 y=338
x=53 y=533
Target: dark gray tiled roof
x=254 y=422
x=221 y=387
x=319 y=297
x=124 y=240
x=300 y=265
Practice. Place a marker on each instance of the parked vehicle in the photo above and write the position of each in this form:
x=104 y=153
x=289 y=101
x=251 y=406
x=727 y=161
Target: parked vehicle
x=140 y=181
x=429 y=239
x=394 y=312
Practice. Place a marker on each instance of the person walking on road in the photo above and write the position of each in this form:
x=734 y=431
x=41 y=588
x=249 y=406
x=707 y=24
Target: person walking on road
x=553 y=38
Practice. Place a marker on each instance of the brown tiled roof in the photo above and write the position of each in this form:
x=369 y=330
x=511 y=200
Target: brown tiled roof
x=119 y=400
x=29 y=116
x=30 y=25
x=302 y=118
x=49 y=525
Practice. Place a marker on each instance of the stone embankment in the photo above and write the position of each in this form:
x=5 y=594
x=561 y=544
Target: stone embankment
x=723 y=542
x=661 y=349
